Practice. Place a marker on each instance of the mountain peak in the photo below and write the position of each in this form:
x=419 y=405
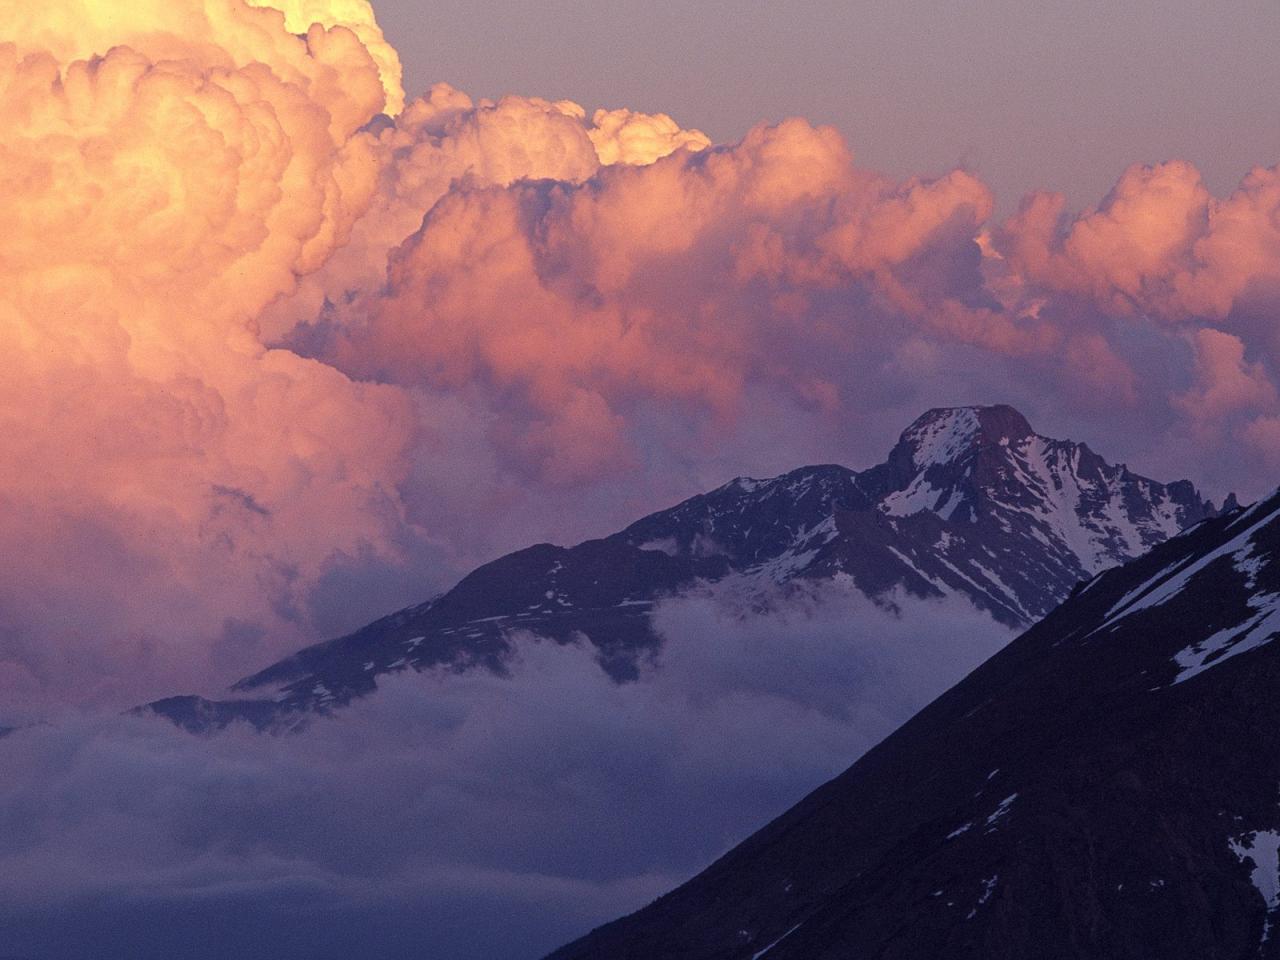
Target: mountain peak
x=943 y=434
x=985 y=465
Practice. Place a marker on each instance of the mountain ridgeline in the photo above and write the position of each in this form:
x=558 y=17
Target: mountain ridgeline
x=1107 y=786
x=970 y=503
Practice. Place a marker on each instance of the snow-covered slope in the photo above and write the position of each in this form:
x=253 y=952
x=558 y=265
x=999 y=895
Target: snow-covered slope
x=1108 y=785
x=971 y=464
x=970 y=503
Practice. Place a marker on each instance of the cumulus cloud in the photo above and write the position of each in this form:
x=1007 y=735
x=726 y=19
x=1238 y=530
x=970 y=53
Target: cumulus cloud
x=1161 y=249
x=493 y=816
x=625 y=136
x=1159 y=244
x=356 y=16
x=683 y=281
x=444 y=139
x=163 y=469
x=284 y=349
x=271 y=328
x=176 y=486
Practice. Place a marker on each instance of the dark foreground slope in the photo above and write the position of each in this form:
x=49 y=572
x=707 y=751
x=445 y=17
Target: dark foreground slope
x=1108 y=786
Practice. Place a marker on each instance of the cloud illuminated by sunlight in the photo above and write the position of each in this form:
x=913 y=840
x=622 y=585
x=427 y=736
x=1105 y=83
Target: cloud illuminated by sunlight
x=269 y=328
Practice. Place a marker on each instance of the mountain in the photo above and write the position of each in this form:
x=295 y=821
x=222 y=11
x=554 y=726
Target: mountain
x=971 y=502
x=1107 y=786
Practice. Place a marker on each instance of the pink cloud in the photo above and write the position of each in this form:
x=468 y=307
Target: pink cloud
x=1158 y=245
x=265 y=331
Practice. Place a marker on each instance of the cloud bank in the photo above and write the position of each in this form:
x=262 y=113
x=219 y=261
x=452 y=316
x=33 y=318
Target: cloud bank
x=285 y=348
x=465 y=817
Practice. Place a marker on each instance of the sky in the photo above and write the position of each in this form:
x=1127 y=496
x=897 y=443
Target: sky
x=307 y=307
x=1028 y=94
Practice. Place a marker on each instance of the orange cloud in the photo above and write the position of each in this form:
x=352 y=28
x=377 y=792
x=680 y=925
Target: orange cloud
x=262 y=318
x=668 y=281
x=625 y=136
x=157 y=196
x=1159 y=245
x=445 y=138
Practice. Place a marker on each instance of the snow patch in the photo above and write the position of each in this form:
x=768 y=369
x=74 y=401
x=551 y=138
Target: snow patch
x=918 y=496
x=944 y=437
x=988 y=887
x=1230 y=642
x=757 y=956
x=1001 y=811
x=667 y=545
x=1170 y=581
x=1262 y=848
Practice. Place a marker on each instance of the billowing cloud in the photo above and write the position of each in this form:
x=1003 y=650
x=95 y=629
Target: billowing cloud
x=162 y=467
x=331 y=48
x=444 y=140
x=684 y=281
x=625 y=136
x=274 y=334
x=356 y=16
x=1161 y=249
x=1159 y=244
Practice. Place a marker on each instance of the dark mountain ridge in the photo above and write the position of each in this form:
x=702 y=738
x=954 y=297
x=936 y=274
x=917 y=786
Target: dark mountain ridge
x=971 y=502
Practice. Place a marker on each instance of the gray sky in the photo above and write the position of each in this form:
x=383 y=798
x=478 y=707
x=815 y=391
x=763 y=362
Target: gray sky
x=1028 y=93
